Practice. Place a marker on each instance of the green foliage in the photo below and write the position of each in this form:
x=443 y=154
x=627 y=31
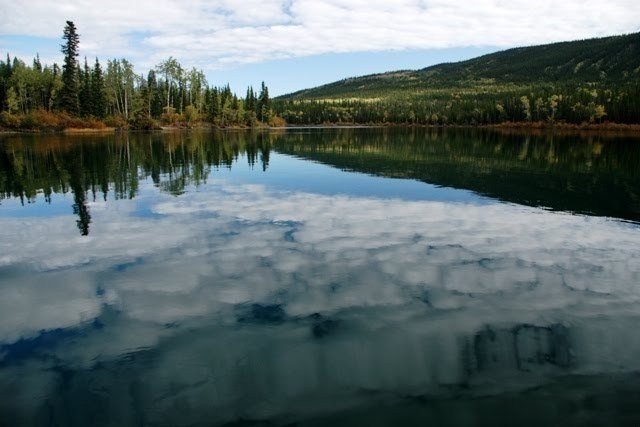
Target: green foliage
x=575 y=82
x=191 y=114
x=98 y=97
x=117 y=122
x=70 y=91
x=9 y=120
x=12 y=101
x=141 y=121
x=85 y=98
x=263 y=105
x=169 y=93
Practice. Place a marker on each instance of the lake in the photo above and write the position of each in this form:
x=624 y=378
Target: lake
x=315 y=277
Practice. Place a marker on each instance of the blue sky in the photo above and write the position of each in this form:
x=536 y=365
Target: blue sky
x=295 y=44
x=289 y=75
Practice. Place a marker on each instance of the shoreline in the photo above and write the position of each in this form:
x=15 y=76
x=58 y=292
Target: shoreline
x=537 y=127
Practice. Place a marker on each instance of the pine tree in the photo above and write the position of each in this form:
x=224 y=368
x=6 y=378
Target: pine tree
x=37 y=65
x=4 y=101
x=250 y=100
x=250 y=106
x=98 y=97
x=264 y=103
x=214 y=106
x=5 y=70
x=69 y=90
x=155 y=93
x=85 y=95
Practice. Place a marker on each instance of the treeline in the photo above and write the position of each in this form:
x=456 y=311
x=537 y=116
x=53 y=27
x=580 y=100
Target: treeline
x=521 y=85
x=92 y=95
x=588 y=81
x=548 y=103
x=595 y=174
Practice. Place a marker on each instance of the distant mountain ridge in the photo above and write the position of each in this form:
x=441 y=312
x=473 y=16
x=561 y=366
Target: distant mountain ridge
x=607 y=60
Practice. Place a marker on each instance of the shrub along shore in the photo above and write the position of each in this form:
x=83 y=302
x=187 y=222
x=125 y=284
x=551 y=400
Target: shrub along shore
x=60 y=121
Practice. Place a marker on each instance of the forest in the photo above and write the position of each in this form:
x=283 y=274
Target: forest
x=95 y=95
x=581 y=82
x=535 y=104
x=593 y=82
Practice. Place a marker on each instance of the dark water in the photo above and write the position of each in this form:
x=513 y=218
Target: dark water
x=320 y=277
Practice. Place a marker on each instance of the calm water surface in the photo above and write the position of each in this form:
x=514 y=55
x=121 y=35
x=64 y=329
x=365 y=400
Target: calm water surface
x=320 y=277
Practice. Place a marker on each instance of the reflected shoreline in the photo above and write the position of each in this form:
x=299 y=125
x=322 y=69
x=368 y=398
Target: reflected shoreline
x=596 y=175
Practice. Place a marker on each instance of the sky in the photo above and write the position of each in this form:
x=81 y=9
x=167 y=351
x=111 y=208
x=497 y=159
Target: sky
x=295 y=44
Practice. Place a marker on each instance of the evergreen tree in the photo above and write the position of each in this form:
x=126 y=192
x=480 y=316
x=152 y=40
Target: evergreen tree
x=98 y=96
x=155 y=94
x=85 y=95
x=264 y=103
x=37 y=65
x=41 y=82
x=4 y=83
x=214 y=106
x=69 y=90
x=54 y=88
x=250 y=99
x=250 y=106
x=142 y=99
x=207 y=102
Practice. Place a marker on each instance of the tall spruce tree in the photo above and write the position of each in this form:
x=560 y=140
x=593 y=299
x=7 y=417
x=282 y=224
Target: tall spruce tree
x=5 y=71
x=85 y=96
x=250 y=99
x=69 y=90
x=37 y=65
x=155 y=93
x=214 y=106
x=264 y=103
x=98 y=97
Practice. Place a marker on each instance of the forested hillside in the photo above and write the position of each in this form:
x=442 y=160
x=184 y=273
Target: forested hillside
x=580 y=81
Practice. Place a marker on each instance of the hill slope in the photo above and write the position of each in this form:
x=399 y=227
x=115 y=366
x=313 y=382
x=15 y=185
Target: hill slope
x=610 y=60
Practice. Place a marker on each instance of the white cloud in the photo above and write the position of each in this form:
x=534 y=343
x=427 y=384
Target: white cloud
x=222 y=33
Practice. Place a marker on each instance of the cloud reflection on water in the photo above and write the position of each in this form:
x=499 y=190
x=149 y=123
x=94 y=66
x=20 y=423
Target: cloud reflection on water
x=221 y=294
